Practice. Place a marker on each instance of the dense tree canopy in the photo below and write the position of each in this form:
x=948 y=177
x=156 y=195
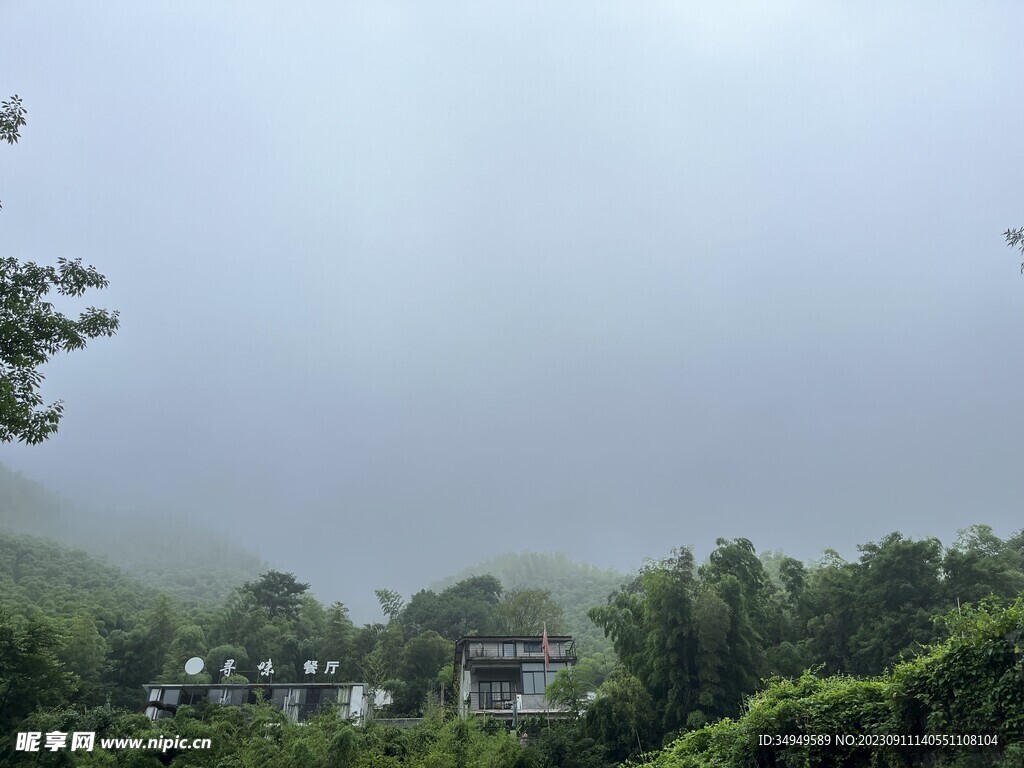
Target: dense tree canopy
x=694 y=643
x=524 y=611
x=279 y=594
x=693 y=637
x=464 y=608
x=31 y=674
x=968 y=685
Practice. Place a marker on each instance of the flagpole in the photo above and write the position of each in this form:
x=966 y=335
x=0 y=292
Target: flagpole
x=546 y=647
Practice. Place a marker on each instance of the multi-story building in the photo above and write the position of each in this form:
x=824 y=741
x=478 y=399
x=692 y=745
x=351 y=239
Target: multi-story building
x=507 y=676
x=300 y=701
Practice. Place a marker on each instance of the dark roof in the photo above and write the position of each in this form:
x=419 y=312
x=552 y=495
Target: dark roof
x=150 y=686
x=512 y=637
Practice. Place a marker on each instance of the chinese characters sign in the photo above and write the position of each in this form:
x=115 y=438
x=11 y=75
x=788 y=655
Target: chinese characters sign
x=266 y=668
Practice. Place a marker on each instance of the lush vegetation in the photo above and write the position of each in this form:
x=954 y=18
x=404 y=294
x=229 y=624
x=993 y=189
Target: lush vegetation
x=968 y=686
x=680 y=680
x=699 y=639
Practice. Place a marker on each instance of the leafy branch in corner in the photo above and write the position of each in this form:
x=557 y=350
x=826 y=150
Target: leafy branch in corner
x=1015 y=239
x=12 y=118
x=32 y=330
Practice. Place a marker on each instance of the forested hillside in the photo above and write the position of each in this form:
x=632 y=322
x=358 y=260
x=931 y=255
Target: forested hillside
x=697 y=640
x=183 y=559
x=671 y=653
x=959 y=703
x=40 y=575
x=691 y=645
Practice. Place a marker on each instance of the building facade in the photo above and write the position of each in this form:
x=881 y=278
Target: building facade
x=506 y=677
x=300 y=701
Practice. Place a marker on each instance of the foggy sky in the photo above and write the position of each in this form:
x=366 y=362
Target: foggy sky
x=406 y=285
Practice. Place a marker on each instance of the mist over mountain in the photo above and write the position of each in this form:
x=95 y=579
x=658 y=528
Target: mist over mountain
x=170 y=553
x=608 y=281
x=165 y=552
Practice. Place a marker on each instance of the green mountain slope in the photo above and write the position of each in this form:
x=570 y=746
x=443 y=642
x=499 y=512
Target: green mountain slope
x=40 y=575
x=185 y=560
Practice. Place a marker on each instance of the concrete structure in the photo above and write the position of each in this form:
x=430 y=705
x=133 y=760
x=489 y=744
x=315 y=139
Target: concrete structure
x=300 y=701
x=506 y=677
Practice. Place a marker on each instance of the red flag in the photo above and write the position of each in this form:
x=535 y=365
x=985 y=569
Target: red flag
x=546 y=647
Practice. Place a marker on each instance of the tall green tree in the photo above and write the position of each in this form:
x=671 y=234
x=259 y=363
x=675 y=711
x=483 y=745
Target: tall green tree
x=31 y=673
x=464 y=608
x=524 y=611
x=652 y=627
x=189 y=640
x=84 y=653
x=278 y=593
x=899 y=591
x=693 y=637
x=338 y=642
x=571 y=687
x=736 y=578
x=624 y=717
x=981 y=565
x=138 y=655
x=422 y=658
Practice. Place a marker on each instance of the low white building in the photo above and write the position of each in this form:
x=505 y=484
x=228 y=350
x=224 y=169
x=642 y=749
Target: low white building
x=300 y=701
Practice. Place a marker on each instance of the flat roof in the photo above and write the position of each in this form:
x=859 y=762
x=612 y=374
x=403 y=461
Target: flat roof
x=150 y=686
x=513 y=637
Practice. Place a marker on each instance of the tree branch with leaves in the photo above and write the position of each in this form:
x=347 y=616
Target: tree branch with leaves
x=1015 y=239
x=32 y=330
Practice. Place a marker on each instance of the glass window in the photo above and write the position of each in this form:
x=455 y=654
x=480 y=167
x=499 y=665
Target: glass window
x=235 y=696
x=495 y=695
x=508 y=649
x=535 y=680
x=193 y=695
x=170 y=696
x=532 y=647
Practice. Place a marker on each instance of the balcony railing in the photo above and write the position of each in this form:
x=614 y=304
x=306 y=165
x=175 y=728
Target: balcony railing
x=498 y=651
x=498 y=703
x=490 y=701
